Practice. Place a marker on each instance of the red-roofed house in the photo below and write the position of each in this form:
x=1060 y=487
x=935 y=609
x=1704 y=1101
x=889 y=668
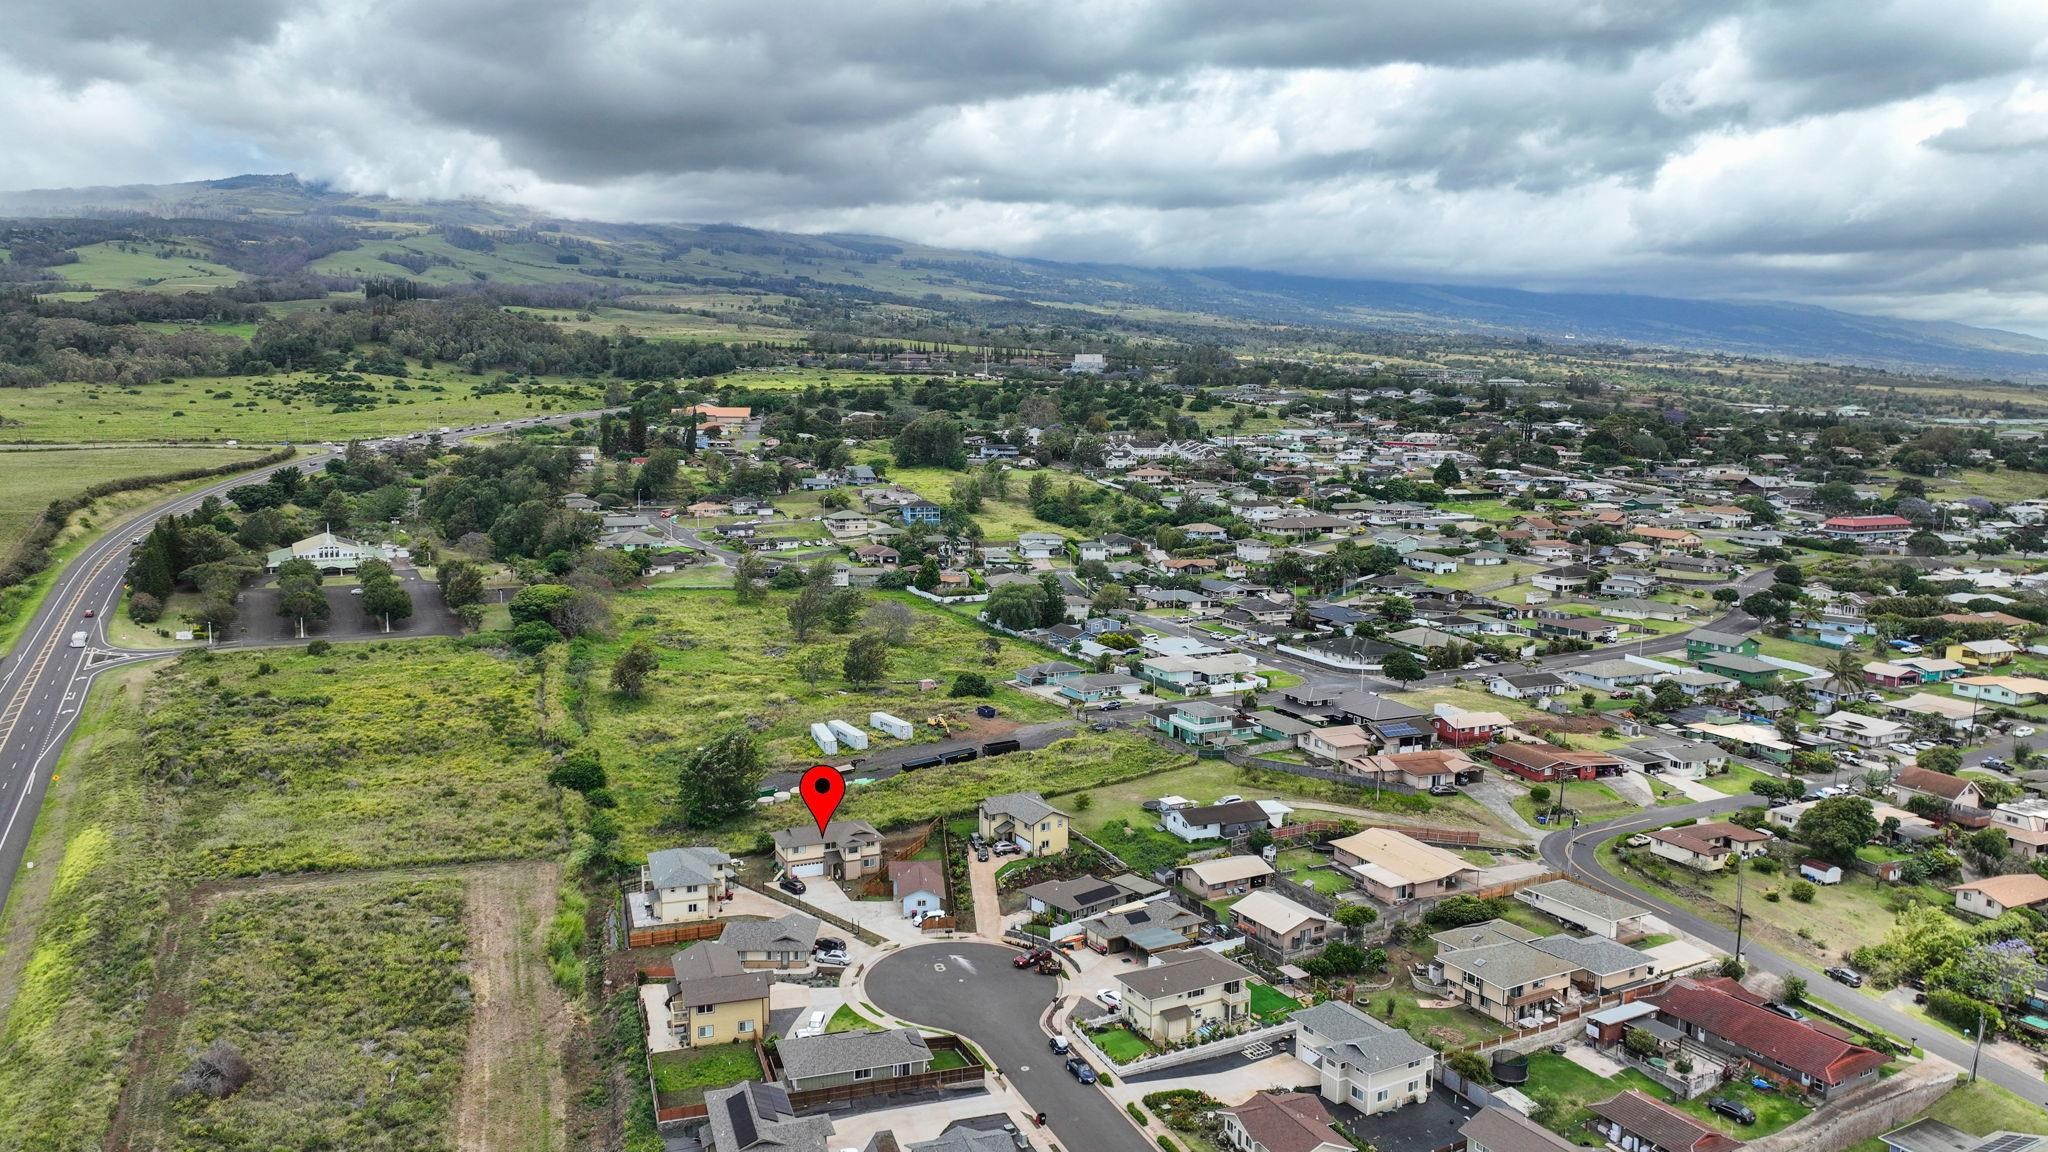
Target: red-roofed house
x=1867 y=528
x=1461 y=728
x=1547 y=762
x=1785 y=1050
x=1706 y=847
x=1633 y=1120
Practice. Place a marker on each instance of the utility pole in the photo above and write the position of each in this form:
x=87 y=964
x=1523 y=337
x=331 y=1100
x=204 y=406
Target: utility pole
x=1737 y=864
x=1977 y=1052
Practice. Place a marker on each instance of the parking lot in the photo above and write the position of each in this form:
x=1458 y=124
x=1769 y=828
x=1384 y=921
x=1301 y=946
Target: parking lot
x=260 y=623
x=971 y=989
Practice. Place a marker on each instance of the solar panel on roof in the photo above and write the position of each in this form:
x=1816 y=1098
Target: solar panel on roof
x=2010 y=1142
x=742 y=1119
x=1399 y=729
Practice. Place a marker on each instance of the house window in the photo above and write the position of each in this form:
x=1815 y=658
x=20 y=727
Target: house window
x=747 y=1026
x=1381 y=1098
x=863 y=1073
x=1357 y=1093
x=704 y=1031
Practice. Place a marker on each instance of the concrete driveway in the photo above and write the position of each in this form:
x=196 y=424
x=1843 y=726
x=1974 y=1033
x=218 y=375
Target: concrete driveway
x=884 y=918
x=969 y=987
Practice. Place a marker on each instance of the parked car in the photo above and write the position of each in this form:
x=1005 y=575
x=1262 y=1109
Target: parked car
x=1638 y=841
x=1233 y=798
x=2023 y=731
x=1873 y=697
x=1112 y=705
x=1901 y=749
x=1111 y=997
x=1027 y=959
x=1007 y=848
x=974 y=838
x=1442 y=790
x=1849 y=976
x=1733 y=1109
x=1996 y=763
x=981 y=853
x=1787 y=1011
x=792 y=885
x=1080 y=1069
x=833 y=959
x=828 y=944
x=1060 y=1045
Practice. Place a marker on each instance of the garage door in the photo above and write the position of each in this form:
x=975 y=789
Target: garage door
x=809 y=870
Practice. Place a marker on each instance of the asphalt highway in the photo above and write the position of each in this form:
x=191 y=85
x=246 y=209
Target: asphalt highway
x=43 y=682
x=1576 y=851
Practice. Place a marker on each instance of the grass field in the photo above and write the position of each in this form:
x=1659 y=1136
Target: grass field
x=258 y=410
x=222 y=768
x=1468 y=578
x=106 y=266
x=723 y=664
x=377 y=969
x=31 y=479
x=999 y=519
x=682 y=1076
x=1567 y=1088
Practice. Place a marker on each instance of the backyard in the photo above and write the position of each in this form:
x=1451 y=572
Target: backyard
x=1563 y=1089
x=681 y=1077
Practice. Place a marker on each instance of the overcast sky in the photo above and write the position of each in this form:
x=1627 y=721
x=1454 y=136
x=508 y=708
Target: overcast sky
x=1871 y=155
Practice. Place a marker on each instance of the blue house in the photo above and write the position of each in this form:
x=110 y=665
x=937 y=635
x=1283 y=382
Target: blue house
x=921 y=512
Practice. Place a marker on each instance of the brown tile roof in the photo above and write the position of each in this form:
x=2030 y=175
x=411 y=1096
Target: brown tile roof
x=1789 y=1043
x=1934 y=783
x=1700 y=838
x=1287 y=1121
x=2017 y=890
x=1662 y=1124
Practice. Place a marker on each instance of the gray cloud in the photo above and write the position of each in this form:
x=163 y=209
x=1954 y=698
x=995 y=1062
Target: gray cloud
x=1880 y=154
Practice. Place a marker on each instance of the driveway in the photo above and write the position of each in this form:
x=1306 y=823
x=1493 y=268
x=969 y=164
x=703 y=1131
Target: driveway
x=988 y=908
x=884 y=918
x=970 y=988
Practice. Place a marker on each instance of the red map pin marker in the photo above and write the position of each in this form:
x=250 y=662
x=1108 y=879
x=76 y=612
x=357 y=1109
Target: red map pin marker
x=823 y=788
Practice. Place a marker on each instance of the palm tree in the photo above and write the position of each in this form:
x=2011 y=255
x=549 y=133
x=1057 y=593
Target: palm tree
x=1845 y=674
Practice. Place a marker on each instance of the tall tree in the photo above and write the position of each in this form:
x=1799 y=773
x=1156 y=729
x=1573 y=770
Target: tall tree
x=631 y=670
x=719 y=779
x=867 y=659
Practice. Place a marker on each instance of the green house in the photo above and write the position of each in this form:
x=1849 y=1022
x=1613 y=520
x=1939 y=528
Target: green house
x=1706 y=642
x=1748 y=670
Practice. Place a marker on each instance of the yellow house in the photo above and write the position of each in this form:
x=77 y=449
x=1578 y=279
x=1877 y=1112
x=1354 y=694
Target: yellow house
x=1169 y=1002
x=715 y=1000
x=1981 y=653
x=844 y=850
x=1026 y=820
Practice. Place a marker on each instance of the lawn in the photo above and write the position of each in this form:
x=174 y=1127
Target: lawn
x=1299 y=865
x=1469 y=577
x=845 y=1019
x=1401 y=1006
x=1001 y=520
x=1121 y=1044
x=1271 y=1005
x=1841 y=918
x=1570 y=1087
x=1593 y=800
x=723 y=664
x=1491 y=511
x=32 y=478
x=1735 y=781
x=266 y=409
x=681 y=1077
x=1470 y=699
x=947 y=1059
x=379 y=973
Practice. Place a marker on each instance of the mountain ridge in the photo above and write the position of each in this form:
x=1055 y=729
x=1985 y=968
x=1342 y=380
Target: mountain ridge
x=1191 y=296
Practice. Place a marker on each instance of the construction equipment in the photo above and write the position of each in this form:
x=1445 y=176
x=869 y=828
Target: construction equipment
x=939 y=722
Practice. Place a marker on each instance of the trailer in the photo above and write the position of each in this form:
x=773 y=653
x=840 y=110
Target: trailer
x=823 y=737
x=1001 y=747
x=848 y=735
x=889 y=725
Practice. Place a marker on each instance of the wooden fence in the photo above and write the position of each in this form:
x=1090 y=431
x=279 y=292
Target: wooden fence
x=781 y=897
x=663 y=934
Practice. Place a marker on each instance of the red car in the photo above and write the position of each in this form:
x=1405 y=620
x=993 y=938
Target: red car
x=1027 y=959
x=88 y=613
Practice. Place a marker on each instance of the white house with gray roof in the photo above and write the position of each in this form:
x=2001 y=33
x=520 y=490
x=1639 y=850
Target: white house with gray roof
x=1370 y=1066
x=1587 y=909
x=681 y=885
x=781 y=943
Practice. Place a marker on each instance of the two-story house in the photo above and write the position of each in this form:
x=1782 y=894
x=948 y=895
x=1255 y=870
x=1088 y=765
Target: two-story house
x=1026 y=820
x=1600 y=967
x=1170 y=1002
x=682 y=885
x=1707 y=642
x=1275 y=1121
x=2025 y=824
x=715 y=999
x=1200 y=722
x=1587 y=909
x=844 y=850
x=1958 y=791
x=1361 y=1062
x=1493 y=969
x=1278 y=928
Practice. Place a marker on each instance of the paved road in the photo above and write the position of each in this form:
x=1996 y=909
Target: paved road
x=1577 y=851
x=44 y=681
x=971 y=989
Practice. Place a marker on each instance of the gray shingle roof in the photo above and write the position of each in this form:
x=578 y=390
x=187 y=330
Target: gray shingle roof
x=807 y=1057
x=792 y=933
x=836 y=832
x=1201 y=970
x=1025 y=807
x=1587 y=900
x=749 y=1116
x=1595 y=954
x=1510 y=964
x=682 y=867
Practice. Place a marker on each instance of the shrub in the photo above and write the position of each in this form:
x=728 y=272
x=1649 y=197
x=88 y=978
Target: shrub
x=1540 y=793
x=971 y=684
x=1471 y=1065
x=1166 y=1144
x=318 y=648
x=1801 y=891
x=1764 y=866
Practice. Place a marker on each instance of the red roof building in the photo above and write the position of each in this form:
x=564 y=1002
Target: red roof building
x=1785 y=1050
x=1867 y=527
x=1656 y=1123
x=1547 y=762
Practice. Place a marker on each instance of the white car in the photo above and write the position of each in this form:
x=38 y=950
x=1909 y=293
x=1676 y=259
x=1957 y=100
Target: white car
x=2022 y=732
x=831 y=959
x=1902 y=749
x=1111 y=997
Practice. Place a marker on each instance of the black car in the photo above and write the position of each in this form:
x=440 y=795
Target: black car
x=981 y=853
x=792 y=885
x=1081 y=1070
x=828 y=944
x=1733 y=1109
x=1849 y=976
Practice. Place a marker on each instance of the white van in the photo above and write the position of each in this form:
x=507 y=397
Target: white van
x=78 y=639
